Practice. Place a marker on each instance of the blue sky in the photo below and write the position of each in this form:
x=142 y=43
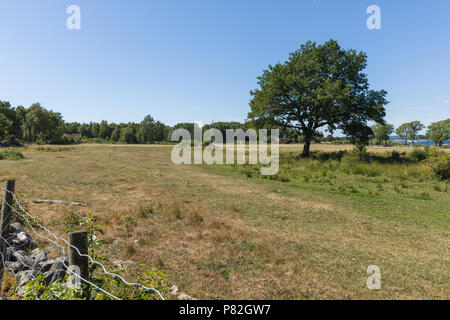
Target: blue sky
x=197 y=60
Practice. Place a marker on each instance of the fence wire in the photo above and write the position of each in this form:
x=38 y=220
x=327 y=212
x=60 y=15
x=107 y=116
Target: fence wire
x=28 y=264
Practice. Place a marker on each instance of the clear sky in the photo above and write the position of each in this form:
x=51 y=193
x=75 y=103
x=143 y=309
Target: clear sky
x=197 y=60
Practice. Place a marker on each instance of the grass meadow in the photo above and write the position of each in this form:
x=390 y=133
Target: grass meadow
x=225 y=232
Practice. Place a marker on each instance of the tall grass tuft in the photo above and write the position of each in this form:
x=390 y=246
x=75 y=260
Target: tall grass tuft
x=11 y=155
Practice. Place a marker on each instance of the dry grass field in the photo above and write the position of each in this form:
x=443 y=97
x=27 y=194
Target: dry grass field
x=222 y=235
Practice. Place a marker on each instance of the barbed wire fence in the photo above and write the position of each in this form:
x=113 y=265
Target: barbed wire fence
x=14 y=240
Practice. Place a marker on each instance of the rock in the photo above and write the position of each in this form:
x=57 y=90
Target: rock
x=33 y=245
x=23 y=277
x=120 y=264
x=22 y=257
x=62 y=260
x=46 y=265
x=23 y=236
x=9 y=256
x=22 y=240
x=15 y=228
x=184 y=296
x=56 y=272
x=38 y=256
x=16 y=267
x=174 y=290
x=180 y=295
x=51 y=277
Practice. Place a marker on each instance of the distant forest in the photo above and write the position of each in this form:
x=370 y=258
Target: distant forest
x=38 y=125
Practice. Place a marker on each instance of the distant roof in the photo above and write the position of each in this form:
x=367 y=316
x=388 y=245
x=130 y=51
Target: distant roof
x=73 y=135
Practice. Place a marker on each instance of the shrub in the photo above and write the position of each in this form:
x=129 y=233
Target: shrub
x=395 y=155
x=360 y=152
x=432 y=152
x=11 y=155
x=441 y=166
x=36 y=289
x=65 y=139
x=41 y=142
x=418 y=155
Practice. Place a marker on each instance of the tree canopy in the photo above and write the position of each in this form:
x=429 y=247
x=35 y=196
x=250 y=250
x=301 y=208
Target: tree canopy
x=414 y=128
x=38 y=124
x=319 y=86
x=410 y=131
x=439 y=131
x=402 y=132
x=382 y=132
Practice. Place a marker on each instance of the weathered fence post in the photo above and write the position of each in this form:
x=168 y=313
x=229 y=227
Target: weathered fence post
x=80 y=241
x=5 y=220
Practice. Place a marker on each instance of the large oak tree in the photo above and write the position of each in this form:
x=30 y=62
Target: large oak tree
x=319 y=86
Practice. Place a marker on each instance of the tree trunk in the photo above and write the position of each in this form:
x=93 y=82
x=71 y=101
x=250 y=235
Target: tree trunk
x=306 y=148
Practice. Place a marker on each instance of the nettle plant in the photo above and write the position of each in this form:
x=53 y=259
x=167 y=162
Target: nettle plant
x=61 y=290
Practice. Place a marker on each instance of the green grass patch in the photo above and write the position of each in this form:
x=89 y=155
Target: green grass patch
x=11 y=155
x=391 y=185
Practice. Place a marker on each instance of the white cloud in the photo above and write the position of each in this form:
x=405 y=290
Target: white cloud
x=446 y=101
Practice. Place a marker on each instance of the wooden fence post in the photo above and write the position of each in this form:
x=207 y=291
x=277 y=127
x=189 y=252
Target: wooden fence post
x=5 y=220
x=80 y=241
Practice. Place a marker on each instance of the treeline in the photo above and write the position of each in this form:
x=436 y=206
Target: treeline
x=147 y=131
x=438 y=132
x=29 y=125
x=36 y=124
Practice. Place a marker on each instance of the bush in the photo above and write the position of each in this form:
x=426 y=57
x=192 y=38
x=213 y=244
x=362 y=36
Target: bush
x=65 y=139
x=418 y=155
x=441 y=166
x=360 y=151
x=433 y=152
x=41 y=142
x=11 y=155
x=395 y=155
